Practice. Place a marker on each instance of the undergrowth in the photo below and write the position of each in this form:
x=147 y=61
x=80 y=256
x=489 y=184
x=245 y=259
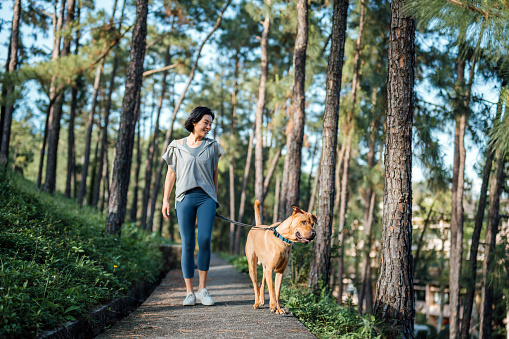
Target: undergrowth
x=57 y=262
x=320 y=312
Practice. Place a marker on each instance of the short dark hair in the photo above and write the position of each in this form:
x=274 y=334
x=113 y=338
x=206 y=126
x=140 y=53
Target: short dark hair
x=196 y=115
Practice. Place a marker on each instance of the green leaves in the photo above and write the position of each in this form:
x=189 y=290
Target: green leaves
x=56 y=263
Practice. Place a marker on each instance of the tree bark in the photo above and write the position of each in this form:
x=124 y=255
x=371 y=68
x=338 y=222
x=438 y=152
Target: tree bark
x=316 y=183
x=260 y=105
x=128 y=117
x=476 y=235
x=457 y=202
x=342 y=215
x=276 y=200
x=395 y=291
x=270 y=172
x=134 y=203
x=169 y=133
x=231 y=167
x=90 y=124
x=55 y=108
x=369 y=201
x=294 y=147
x=247 y=168
x=152 y=149
x=320 y=270
x=13 y=64
x=71 y=145
x=497 y=182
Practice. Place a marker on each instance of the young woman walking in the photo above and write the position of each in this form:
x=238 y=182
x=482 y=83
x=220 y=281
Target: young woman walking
x=192 y=165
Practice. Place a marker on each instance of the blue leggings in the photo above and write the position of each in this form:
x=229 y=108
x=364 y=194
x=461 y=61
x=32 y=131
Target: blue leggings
x=196 y=205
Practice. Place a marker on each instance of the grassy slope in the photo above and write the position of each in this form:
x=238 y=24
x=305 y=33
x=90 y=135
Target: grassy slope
x=56 y=262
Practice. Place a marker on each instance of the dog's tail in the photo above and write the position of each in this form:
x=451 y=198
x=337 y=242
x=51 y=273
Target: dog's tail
x=257 y=212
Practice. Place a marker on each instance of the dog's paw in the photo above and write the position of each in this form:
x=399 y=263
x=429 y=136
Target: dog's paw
x=280 y=311
x=262 y=302
x=256 y=306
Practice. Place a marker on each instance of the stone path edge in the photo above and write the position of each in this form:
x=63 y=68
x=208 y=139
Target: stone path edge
x=94 y=323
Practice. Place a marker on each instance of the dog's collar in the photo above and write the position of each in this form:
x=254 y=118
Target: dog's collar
x=279 y=235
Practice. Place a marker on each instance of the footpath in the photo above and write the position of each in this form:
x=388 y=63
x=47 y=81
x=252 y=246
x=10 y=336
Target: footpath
x=163 y=316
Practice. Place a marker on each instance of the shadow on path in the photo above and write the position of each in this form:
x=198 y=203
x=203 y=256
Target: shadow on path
x=163 y=316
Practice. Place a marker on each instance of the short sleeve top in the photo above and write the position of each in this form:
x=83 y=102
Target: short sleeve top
x=194 y=171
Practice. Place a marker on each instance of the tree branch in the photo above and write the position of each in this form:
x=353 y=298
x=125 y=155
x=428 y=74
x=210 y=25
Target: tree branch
x=471 y=8
x=165 y=68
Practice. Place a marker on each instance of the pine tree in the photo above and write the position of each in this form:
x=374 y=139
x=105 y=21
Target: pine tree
x=395 y=293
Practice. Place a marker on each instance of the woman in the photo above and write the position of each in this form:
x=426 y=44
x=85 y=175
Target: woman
x=192 y=164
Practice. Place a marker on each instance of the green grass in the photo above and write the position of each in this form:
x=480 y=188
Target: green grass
x=56 y=261
x=320 y=313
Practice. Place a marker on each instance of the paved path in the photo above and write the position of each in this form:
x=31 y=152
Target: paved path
x=163 y=316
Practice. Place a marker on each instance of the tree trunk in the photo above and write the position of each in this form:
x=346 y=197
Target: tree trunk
x=43 y=149
x=337 y=175
x=247 y=168
x=169 y=133
x=260 y=105
x=369 y=202
x=276 y=199
x=231 y=167
x=137 y=166
x=457 y=203
x=497 y=181
x=128 y=117
x=320 y=270
x=106 y=184
x=476 y=235
x=395 y=291
x=316 y=183
x=104 y=140
x=294 y=147
x=270 y=172
x=71 y=145
x=152 y=148
x=55 y=108
x=13 y=64
x=86 y=156
x=420 y=242
x=342 y=214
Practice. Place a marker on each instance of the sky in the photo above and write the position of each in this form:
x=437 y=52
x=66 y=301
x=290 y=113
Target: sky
x=489 y=90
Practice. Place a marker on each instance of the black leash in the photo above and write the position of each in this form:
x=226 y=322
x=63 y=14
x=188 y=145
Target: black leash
x=272 y=229
x=237 y=223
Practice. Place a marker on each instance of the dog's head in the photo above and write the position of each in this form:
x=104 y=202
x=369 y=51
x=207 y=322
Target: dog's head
x=302 y=226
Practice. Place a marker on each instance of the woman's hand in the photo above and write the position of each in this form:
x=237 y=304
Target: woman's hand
x=166 y=210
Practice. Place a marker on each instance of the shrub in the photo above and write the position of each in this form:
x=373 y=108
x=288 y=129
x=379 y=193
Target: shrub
x=56 y=261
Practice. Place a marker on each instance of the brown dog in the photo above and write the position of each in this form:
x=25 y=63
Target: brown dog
x=273 y=253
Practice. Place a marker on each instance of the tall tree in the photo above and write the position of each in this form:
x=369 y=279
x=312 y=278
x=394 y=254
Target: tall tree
x=476 y=234
x=260 y=105
x=55 y=109
x=458 y=182
x=9 y=107
x=395 y=292
x=128 y=116
x=169 y=133
x=497 y=181
x=293 y=157
x=152 y=145
x=320 y=270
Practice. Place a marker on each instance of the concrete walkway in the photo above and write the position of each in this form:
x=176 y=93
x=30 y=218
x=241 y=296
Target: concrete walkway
x=163 y=316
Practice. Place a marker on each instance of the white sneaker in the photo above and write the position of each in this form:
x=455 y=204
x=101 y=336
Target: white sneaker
x=204 y=297
x=190 y=300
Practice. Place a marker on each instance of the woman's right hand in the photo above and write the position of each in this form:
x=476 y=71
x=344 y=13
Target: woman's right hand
x=166 y=210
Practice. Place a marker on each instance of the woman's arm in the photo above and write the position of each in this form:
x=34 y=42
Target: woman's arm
x=215 y=178
x=168 y=187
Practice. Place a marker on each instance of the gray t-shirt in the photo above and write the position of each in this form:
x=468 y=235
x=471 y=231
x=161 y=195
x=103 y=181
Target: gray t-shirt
x=194 y=170
x=193 y=150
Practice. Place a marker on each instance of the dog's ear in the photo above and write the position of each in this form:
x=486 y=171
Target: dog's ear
x=297 y=210
x=314 y=218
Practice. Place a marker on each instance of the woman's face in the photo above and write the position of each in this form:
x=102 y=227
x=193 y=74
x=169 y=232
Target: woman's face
x=202 y=127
